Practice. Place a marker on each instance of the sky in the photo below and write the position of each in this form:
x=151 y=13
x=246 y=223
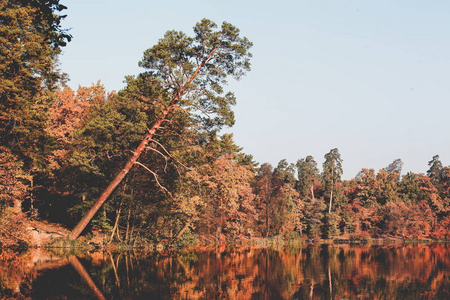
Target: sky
x=371 y=78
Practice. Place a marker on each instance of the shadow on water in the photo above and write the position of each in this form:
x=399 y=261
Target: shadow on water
x=310 y=272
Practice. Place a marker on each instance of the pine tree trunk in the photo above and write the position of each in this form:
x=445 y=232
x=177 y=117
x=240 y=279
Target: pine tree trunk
x=312 y=191
x=120 y=176
x=116 y=181
x=331 y=201
x=85 y=275
x=331 y=193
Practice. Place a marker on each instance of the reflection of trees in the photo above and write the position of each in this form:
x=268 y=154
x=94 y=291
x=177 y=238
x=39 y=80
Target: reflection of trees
x=397 y=272
x=17 y=271
x=245 y=273
x=312 y=272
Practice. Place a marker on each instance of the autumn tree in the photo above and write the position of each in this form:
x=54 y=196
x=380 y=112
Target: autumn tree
x=191 y=72
x=264 y=190
x=229 y=204
x=95 y=132
x=68 y=113
x=279 y=205
x=363 y=208
x=211 y=196
x=285 y=206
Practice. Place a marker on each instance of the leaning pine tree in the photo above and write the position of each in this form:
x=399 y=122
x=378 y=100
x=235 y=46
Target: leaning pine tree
x=192 y=72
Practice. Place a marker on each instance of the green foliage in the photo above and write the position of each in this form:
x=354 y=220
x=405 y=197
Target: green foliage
x=30 y=39
x=313 y=217
x=285 y=172
x=308 y=173
x=187 y=240
x=331 y=225
x=436 y=172
x=12 y=188
x=194 y=69
x=332 y=168
x=387 y=187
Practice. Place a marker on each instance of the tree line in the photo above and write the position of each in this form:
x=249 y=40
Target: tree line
x=153 y=158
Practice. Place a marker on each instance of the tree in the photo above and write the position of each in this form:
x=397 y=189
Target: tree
x=264 y=190
x=332 y=172
x=395 y=167
x=409 y=188
x=285 y=172
x=191 y=73
x=366 y=186
x=228 y=204
x=307 y=174
x=386 y=187
x=69 y=113
x=285 y=206
x=31 y=37
x=12 y=190
x=436 y=172
x=213 y=197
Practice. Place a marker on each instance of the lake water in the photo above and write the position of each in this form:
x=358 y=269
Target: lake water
x=310 y=272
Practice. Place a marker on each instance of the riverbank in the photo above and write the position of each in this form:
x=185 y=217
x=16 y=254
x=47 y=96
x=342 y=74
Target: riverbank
x=42 y=234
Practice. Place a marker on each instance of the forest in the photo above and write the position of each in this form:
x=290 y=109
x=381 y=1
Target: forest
x=154 y=159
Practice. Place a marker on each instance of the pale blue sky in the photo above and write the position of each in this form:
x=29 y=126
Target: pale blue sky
x=371 y=78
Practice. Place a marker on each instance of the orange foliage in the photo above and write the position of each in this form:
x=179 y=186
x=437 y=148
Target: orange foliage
x=69 y=112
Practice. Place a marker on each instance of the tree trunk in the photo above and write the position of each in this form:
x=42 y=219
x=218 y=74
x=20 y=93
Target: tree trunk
x=330 y=282
x=331 y=201
x=183 y=229
x=116 y=227
x=127 y=234
x=121 y=175
x=180 y=90
x=85 y=275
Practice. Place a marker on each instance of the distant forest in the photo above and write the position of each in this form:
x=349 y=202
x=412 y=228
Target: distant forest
x=61 y=148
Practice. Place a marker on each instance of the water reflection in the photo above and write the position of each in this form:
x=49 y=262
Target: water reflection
x=312 y=272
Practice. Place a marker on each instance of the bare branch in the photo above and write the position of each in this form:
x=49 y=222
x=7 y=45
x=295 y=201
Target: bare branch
x=168 y=153
x=165 y=157
x=156 y=178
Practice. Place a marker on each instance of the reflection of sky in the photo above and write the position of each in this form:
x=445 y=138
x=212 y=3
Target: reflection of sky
x=368 y=77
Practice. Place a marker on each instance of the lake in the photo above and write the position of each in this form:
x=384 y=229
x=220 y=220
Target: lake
x=419 y=271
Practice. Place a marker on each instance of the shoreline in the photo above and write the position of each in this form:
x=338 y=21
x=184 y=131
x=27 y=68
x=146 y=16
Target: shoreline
x=45 y=235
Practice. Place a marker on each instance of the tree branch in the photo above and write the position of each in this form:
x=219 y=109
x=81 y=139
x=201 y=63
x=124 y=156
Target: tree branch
x=168 y=153
x=156 y=178
x=165 y=158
